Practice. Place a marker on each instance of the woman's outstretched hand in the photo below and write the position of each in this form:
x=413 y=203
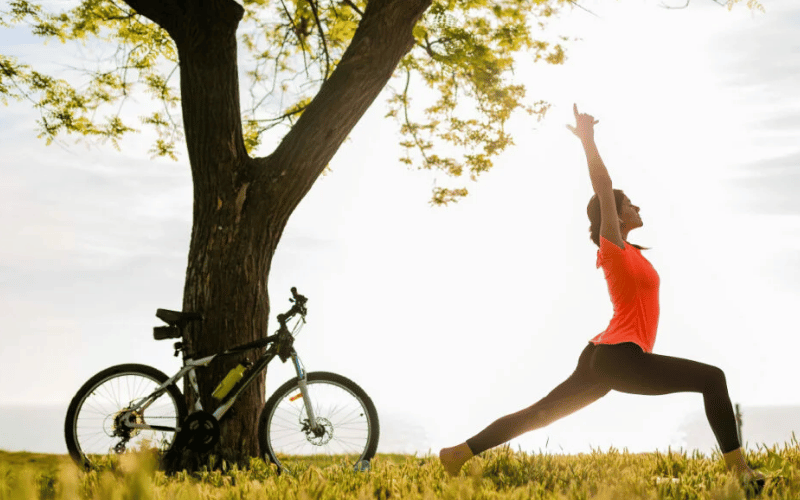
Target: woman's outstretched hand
x=584 y=125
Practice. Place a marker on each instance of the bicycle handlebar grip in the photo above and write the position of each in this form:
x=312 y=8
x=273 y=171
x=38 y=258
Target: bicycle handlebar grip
x=299 y=299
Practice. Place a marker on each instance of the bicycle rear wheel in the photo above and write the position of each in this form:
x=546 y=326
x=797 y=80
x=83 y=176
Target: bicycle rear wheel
x=98 y=420
x=347 y=432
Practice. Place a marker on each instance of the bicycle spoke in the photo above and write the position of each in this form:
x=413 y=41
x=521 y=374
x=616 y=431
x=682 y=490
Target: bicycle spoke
x=342 y=420
x=102 y=409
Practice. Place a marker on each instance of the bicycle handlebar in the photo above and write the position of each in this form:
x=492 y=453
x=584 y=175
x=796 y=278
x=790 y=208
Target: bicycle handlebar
x=298 y=307
x=298 y=299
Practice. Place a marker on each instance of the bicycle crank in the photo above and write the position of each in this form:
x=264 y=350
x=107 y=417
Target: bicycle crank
x=200 y=432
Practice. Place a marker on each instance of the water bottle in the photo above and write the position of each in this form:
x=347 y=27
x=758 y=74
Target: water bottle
x=228 y=382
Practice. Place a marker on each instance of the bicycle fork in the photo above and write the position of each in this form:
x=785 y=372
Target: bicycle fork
x=303 y=385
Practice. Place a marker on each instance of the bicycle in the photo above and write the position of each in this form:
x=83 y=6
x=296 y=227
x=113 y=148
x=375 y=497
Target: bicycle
x=131 y=407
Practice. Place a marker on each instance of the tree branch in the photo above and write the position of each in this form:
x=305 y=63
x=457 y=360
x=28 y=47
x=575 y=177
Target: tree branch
x=412 y=127
x=384 y=36
x=322 y=37
x=278 y=119
x=299 y=33
x=353 y=6
x=576 y=4
x=165 y=13
x=721 y=3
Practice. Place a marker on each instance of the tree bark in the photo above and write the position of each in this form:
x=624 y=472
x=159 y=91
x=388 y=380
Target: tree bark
x=241 y=204
x=230 y=250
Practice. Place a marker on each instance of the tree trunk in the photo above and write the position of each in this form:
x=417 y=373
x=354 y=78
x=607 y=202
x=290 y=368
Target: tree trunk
x=231 y=248
x=241 y=204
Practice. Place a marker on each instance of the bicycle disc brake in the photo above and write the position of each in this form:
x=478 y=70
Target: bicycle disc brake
x=321 y=435
x=201 y=431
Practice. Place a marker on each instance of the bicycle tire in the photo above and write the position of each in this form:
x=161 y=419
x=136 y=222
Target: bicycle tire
x=346 y=412
x=140 y=381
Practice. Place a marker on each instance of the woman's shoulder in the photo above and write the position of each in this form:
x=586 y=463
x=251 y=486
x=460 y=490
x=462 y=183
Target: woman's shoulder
x=609 y=252
x=606 y=243
x=610 y=248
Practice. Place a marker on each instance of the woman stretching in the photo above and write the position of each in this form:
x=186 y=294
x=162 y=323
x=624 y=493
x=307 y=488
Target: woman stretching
x=620 y=358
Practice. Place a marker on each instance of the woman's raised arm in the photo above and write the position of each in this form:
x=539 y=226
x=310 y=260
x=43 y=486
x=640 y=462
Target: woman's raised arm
x=601 y=181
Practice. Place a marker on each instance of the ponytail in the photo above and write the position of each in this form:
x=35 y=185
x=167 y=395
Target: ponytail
x=593 y=211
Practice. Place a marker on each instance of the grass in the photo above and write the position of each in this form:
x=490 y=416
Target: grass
x=497 y=474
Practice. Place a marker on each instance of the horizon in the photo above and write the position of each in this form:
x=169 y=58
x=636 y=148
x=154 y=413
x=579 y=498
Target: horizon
x=30 y=425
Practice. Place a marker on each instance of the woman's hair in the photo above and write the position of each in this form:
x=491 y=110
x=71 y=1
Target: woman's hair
x=593 y=211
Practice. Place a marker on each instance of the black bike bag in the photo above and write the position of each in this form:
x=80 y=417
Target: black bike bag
x=166 y=332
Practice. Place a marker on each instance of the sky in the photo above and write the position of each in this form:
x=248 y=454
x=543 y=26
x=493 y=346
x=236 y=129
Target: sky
x=452 y=317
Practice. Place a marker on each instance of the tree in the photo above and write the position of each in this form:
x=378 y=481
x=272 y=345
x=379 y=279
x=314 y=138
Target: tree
x=344 y=52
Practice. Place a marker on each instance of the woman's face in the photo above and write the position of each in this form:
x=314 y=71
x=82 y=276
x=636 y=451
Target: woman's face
x=629 y=215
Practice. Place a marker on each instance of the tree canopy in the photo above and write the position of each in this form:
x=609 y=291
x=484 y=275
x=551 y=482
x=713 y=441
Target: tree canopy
x=464 y=53
x=461 y=64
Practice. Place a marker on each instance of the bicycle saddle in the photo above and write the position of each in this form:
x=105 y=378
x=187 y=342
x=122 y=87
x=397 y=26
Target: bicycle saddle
x=178 y=318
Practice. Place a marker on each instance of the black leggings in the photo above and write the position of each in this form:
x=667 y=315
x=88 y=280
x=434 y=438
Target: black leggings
x=625 y=368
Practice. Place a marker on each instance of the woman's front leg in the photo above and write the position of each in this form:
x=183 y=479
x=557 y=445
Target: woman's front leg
x=626 y=368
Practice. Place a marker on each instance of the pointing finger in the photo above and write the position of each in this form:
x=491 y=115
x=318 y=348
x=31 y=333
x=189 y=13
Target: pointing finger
x=575 y=109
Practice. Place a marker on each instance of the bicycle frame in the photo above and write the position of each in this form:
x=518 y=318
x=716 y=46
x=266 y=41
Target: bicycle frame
x=188 y=370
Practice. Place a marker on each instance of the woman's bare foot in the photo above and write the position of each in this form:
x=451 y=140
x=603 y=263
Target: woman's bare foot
x=751 y=479
x=753 y=475
x=454 y=458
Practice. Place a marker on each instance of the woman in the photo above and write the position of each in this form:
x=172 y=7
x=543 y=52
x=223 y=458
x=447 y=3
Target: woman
x=621 y=357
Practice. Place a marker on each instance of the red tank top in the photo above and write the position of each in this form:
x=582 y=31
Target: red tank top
x=633 y=287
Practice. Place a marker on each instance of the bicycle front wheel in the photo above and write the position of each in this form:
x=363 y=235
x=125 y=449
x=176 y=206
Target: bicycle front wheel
x=99 y=419
x=347 y=427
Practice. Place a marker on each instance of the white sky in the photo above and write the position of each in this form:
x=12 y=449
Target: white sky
x=452 y=317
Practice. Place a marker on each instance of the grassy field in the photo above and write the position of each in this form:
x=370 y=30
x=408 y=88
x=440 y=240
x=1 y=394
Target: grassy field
x=498 y=474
